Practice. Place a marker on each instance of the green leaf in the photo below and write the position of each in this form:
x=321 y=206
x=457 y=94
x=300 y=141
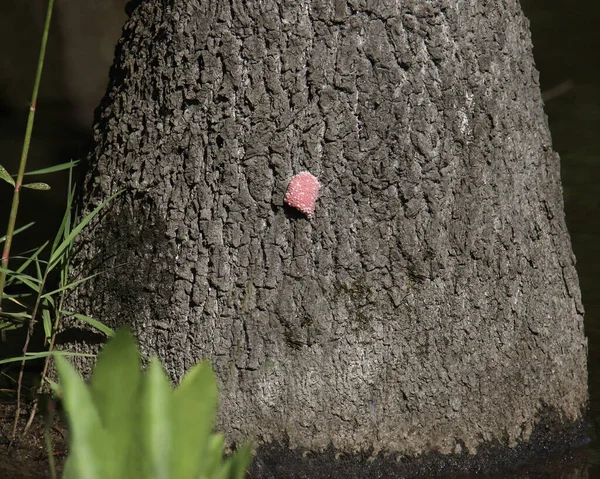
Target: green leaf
x=65 y=226
x=17 y=231
x=36 y=186
x=92 y=322
x=88 y=440
x=20 y=315
x=9 y=326
x=54 y=169
x=26 y=279
x=5 y=176
x=44 y=354
x=130 y=425
x=30 y=259
x=213 y=457
x=239 y=462
x=156 y=428
x=68 y=286
x=195 y=403
x=115 y=390
x=54 y=386
x=47 y=324
x=56 y=254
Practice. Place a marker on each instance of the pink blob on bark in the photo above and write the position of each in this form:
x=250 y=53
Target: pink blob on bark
x=302 y=193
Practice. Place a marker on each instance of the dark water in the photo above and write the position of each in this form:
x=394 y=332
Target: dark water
x=566 y=38
x=567 y=52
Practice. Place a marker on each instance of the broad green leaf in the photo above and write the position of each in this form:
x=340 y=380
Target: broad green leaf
x=129 y=425
x=92 y=322
x=4 y=175
x=224 y=472
x=90 y=446
x=239 y=462
x=212 y=460
x=36 y=186
x=195 y=403
x=156 y=428
x=56 y=254
x=54 y=169
x=115 y=388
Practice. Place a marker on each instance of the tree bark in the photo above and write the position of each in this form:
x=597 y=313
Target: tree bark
x=430 y=304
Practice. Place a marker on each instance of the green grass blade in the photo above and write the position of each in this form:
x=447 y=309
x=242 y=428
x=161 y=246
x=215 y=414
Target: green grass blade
x=17 y=231
x=44 y=354
x=54 y=386
x=65 y=225
x=30 y=259
x=47 y=320
x=92 y=322
x=69 y=239
x=68 y=286
x=15 y=297
x=26 y=279
x=20 y=315
x=54 y=169
x=10 y=326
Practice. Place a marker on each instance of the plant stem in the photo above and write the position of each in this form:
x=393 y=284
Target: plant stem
x=19 y=181
x=25 y=349
x=25 y=152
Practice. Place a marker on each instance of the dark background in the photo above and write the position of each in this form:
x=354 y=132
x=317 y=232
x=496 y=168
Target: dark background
x=566 y=42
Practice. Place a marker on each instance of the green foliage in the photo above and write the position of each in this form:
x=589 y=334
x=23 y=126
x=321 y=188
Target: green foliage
x=33 y=272
x=36 y=186
x=4 y=175
x=129 y=424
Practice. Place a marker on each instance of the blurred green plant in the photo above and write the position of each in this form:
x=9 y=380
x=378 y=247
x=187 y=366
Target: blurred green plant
x=132 y=424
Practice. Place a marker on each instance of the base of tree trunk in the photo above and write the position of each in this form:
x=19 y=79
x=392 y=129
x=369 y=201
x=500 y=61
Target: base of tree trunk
x=431 y=303
x=550 y=436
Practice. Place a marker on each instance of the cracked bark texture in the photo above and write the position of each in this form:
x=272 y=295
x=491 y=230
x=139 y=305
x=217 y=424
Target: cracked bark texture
x=431 y=303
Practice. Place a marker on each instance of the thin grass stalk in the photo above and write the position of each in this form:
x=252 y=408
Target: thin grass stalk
x=48 y=438
x=34 y=407
x=15 y=203
x=25 y=152
x=32 y=322
x=63 y=232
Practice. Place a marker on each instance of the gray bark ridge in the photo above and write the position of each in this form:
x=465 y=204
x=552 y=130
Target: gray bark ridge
x=431 y=303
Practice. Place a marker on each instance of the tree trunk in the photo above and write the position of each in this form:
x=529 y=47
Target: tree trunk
x=431 y=304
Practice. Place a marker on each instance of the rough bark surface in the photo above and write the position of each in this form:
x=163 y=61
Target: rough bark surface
x=431 y=303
